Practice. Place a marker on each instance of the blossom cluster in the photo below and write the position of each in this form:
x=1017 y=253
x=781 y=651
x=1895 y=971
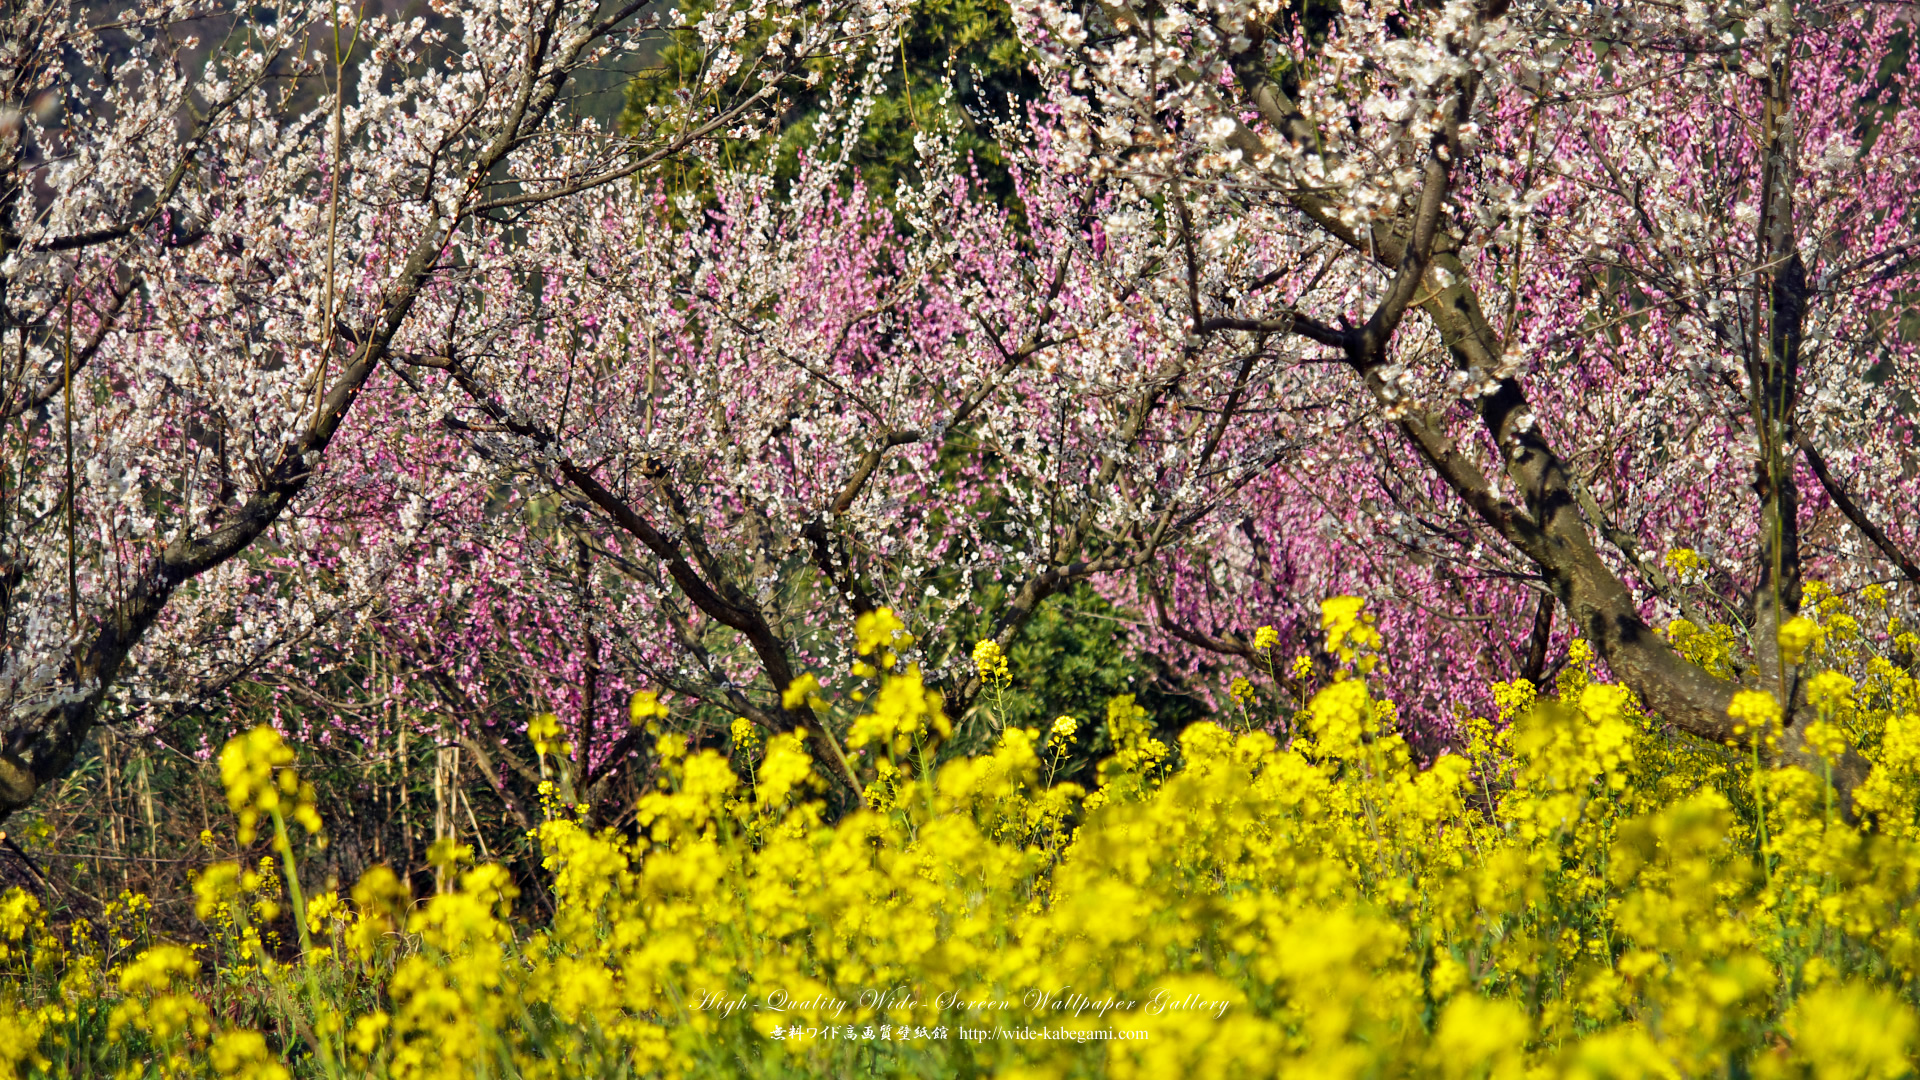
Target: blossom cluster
x=1583 y=892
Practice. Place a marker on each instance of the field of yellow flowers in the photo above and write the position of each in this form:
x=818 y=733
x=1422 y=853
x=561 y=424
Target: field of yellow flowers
x=1580 y=893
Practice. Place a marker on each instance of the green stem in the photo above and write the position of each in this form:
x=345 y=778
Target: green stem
x=1760 y=813
x=284 y=843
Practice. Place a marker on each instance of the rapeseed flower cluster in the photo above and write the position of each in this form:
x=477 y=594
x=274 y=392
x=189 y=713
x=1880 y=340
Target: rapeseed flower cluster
x=1582 y=892
x=644 y=708
x=992 y=664
x=248 y=767
x=1350 y=632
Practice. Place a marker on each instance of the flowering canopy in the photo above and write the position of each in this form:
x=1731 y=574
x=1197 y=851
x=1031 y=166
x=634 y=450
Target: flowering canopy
x=1457 y=307
x=211 y=249
x=1623 y=280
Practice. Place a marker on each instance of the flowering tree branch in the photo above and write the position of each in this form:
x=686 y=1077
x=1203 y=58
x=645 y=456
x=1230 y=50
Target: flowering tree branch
x=208 y=327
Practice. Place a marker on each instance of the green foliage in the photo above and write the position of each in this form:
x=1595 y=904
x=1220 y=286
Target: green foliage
x=1071 y=660
x=953 y=59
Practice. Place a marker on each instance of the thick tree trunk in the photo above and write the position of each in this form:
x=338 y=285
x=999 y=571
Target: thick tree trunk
x=1549 y=528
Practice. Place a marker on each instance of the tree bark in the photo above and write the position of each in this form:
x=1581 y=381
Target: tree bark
x=1549 y=528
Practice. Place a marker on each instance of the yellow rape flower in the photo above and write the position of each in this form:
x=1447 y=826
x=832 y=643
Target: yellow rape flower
x=642 y=707
x=1853 y=1031
x=1797 y=637
x=243 y=1055
x=1830 y=692
x=880 y=630
x=804 y=690
x=1685 y=564
x=1585 y=893
x=904 y=711
x=745 y=736
x=1754 y=711
x=1349 y=630
x=1241 y=690
x=992 y=665
x=248 y=764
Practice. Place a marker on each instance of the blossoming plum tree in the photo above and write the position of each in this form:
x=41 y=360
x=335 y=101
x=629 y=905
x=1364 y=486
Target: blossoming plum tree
x=220 y=226
x=1622 y=278
x=759 y=426
x=1463 y=306
x=814 y=407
